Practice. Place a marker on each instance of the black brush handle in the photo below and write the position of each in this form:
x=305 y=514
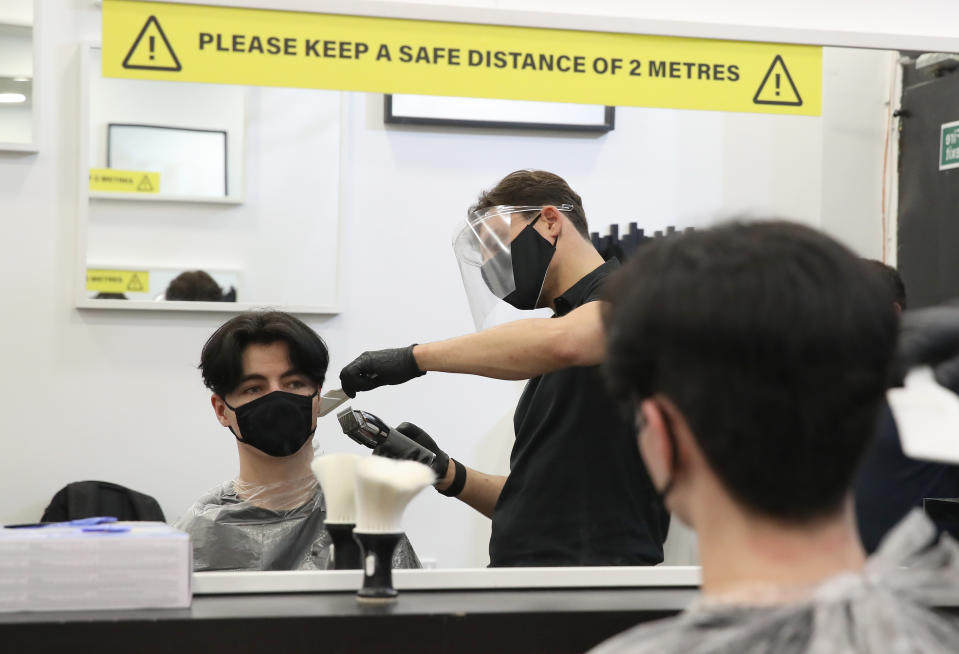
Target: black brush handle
x=377 y=565
x=346 y=551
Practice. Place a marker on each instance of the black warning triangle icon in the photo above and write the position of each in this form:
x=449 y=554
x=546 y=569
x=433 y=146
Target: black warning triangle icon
x=135 y=284
x=152 y=49
x=145 y=186
x=777 y=86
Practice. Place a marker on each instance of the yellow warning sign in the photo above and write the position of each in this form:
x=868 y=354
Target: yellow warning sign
x=124 y=181
x=225 y=45
x=118 y=281
x=777 y=86
x=151 y=50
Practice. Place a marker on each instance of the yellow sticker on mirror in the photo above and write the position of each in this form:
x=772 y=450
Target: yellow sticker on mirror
x=118 y=281
x=225 y=45
x=124 y=181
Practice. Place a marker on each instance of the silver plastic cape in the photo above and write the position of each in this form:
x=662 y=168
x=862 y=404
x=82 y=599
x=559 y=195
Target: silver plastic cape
x=280 y=526
x=883 y=608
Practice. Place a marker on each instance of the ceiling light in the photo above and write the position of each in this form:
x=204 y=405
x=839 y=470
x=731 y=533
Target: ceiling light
x=21 y=79
x=12 y=97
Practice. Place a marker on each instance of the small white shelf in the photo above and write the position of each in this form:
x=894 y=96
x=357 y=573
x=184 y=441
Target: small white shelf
x=209 y=307
x=156 y=197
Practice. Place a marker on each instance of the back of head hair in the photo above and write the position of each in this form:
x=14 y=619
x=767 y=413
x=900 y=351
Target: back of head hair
x=221 y=361
x=774 y=342
x=535 y=188
x=892 y=280
x=195 y=285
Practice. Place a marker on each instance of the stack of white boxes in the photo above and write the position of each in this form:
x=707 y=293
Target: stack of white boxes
x=122 y=565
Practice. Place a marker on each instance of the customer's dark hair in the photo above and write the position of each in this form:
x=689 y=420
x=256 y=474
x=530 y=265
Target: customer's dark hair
x=773 y=341
x=535 y=188
x=893 y=281
x=196 y=285
x=221 y=361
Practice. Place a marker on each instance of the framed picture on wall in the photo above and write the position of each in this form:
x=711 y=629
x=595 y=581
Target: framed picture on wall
x=403 y=109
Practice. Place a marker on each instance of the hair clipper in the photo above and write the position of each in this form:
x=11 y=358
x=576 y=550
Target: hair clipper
x=369 y=431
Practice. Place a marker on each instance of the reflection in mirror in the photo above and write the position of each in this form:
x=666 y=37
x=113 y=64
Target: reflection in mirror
x=16 y=72
x=659 y=167
x=203 y=178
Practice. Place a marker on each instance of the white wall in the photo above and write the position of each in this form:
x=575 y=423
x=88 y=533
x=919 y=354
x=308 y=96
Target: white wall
x=115 y=395
x=857 y=107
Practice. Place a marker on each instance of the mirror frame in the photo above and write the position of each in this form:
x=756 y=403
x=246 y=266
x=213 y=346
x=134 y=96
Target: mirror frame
x=31 y=147
x=84 y=195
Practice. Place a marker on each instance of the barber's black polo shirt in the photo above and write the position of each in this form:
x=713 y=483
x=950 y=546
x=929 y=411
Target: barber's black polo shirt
x=889 y=484
x=578 y=492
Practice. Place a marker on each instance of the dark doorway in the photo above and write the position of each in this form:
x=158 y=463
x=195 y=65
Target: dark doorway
x=928 y=235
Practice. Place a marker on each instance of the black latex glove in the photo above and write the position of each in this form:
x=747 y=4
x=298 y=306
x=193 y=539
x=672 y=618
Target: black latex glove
x=930 y=337
x=396 y=450
x=379 y=368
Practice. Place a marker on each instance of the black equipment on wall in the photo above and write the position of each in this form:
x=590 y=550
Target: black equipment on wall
x=622 y=246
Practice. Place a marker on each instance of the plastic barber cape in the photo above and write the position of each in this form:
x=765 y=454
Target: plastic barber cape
x=882 y=609
x=280 y=526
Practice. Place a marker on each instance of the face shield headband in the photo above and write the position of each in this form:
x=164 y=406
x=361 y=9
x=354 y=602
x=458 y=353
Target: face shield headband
x=502 y=257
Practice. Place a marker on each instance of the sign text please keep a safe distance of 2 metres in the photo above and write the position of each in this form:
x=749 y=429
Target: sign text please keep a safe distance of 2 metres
x=194 y=43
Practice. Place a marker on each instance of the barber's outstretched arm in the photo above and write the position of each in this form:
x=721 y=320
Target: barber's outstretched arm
x=517 y=350
x=523 y=348
x=477 y=489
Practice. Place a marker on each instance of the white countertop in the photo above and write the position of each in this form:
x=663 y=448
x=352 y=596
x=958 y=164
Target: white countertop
x=296 y=581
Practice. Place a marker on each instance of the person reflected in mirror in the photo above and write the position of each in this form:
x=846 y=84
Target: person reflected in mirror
x=265 y=370
x=577 y=492
x=755 y=358
x=197 y=286
x=889 y=484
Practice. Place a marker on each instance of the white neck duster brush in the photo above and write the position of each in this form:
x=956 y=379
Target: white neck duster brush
x=384 y=487
x=337 y=476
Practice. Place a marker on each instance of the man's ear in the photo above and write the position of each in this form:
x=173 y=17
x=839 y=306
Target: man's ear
x=553 y=220
x=655 y=445
x=220 y=408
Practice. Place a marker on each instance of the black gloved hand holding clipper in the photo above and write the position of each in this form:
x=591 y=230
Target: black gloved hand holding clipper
x=406 y=442
x=440 y=464
x=395 y=449
x=379 y=368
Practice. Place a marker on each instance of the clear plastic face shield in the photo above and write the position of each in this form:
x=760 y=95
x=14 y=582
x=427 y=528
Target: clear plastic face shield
x=485 y=258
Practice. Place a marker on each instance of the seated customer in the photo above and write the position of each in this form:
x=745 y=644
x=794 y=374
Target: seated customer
x=755 y=358
x=265 y=370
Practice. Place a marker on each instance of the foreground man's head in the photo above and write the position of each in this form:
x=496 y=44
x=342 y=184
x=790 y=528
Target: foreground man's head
x=755 y=358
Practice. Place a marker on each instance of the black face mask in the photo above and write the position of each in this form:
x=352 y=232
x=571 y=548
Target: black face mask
x=277 y=423
x=531 y=255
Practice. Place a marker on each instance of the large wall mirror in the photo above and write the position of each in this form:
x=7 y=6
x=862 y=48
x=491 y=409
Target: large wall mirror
x=297 y=164
x=17 y=96
x=191 y=192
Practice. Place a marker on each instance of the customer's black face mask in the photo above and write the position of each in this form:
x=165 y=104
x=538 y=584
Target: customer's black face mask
x=531 y=255
x=277 y=423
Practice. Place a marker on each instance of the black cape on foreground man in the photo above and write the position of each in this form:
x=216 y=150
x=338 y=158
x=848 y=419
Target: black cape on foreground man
x=883 y=608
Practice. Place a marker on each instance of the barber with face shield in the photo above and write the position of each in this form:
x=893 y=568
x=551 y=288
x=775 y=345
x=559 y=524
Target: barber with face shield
x=577 y=492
